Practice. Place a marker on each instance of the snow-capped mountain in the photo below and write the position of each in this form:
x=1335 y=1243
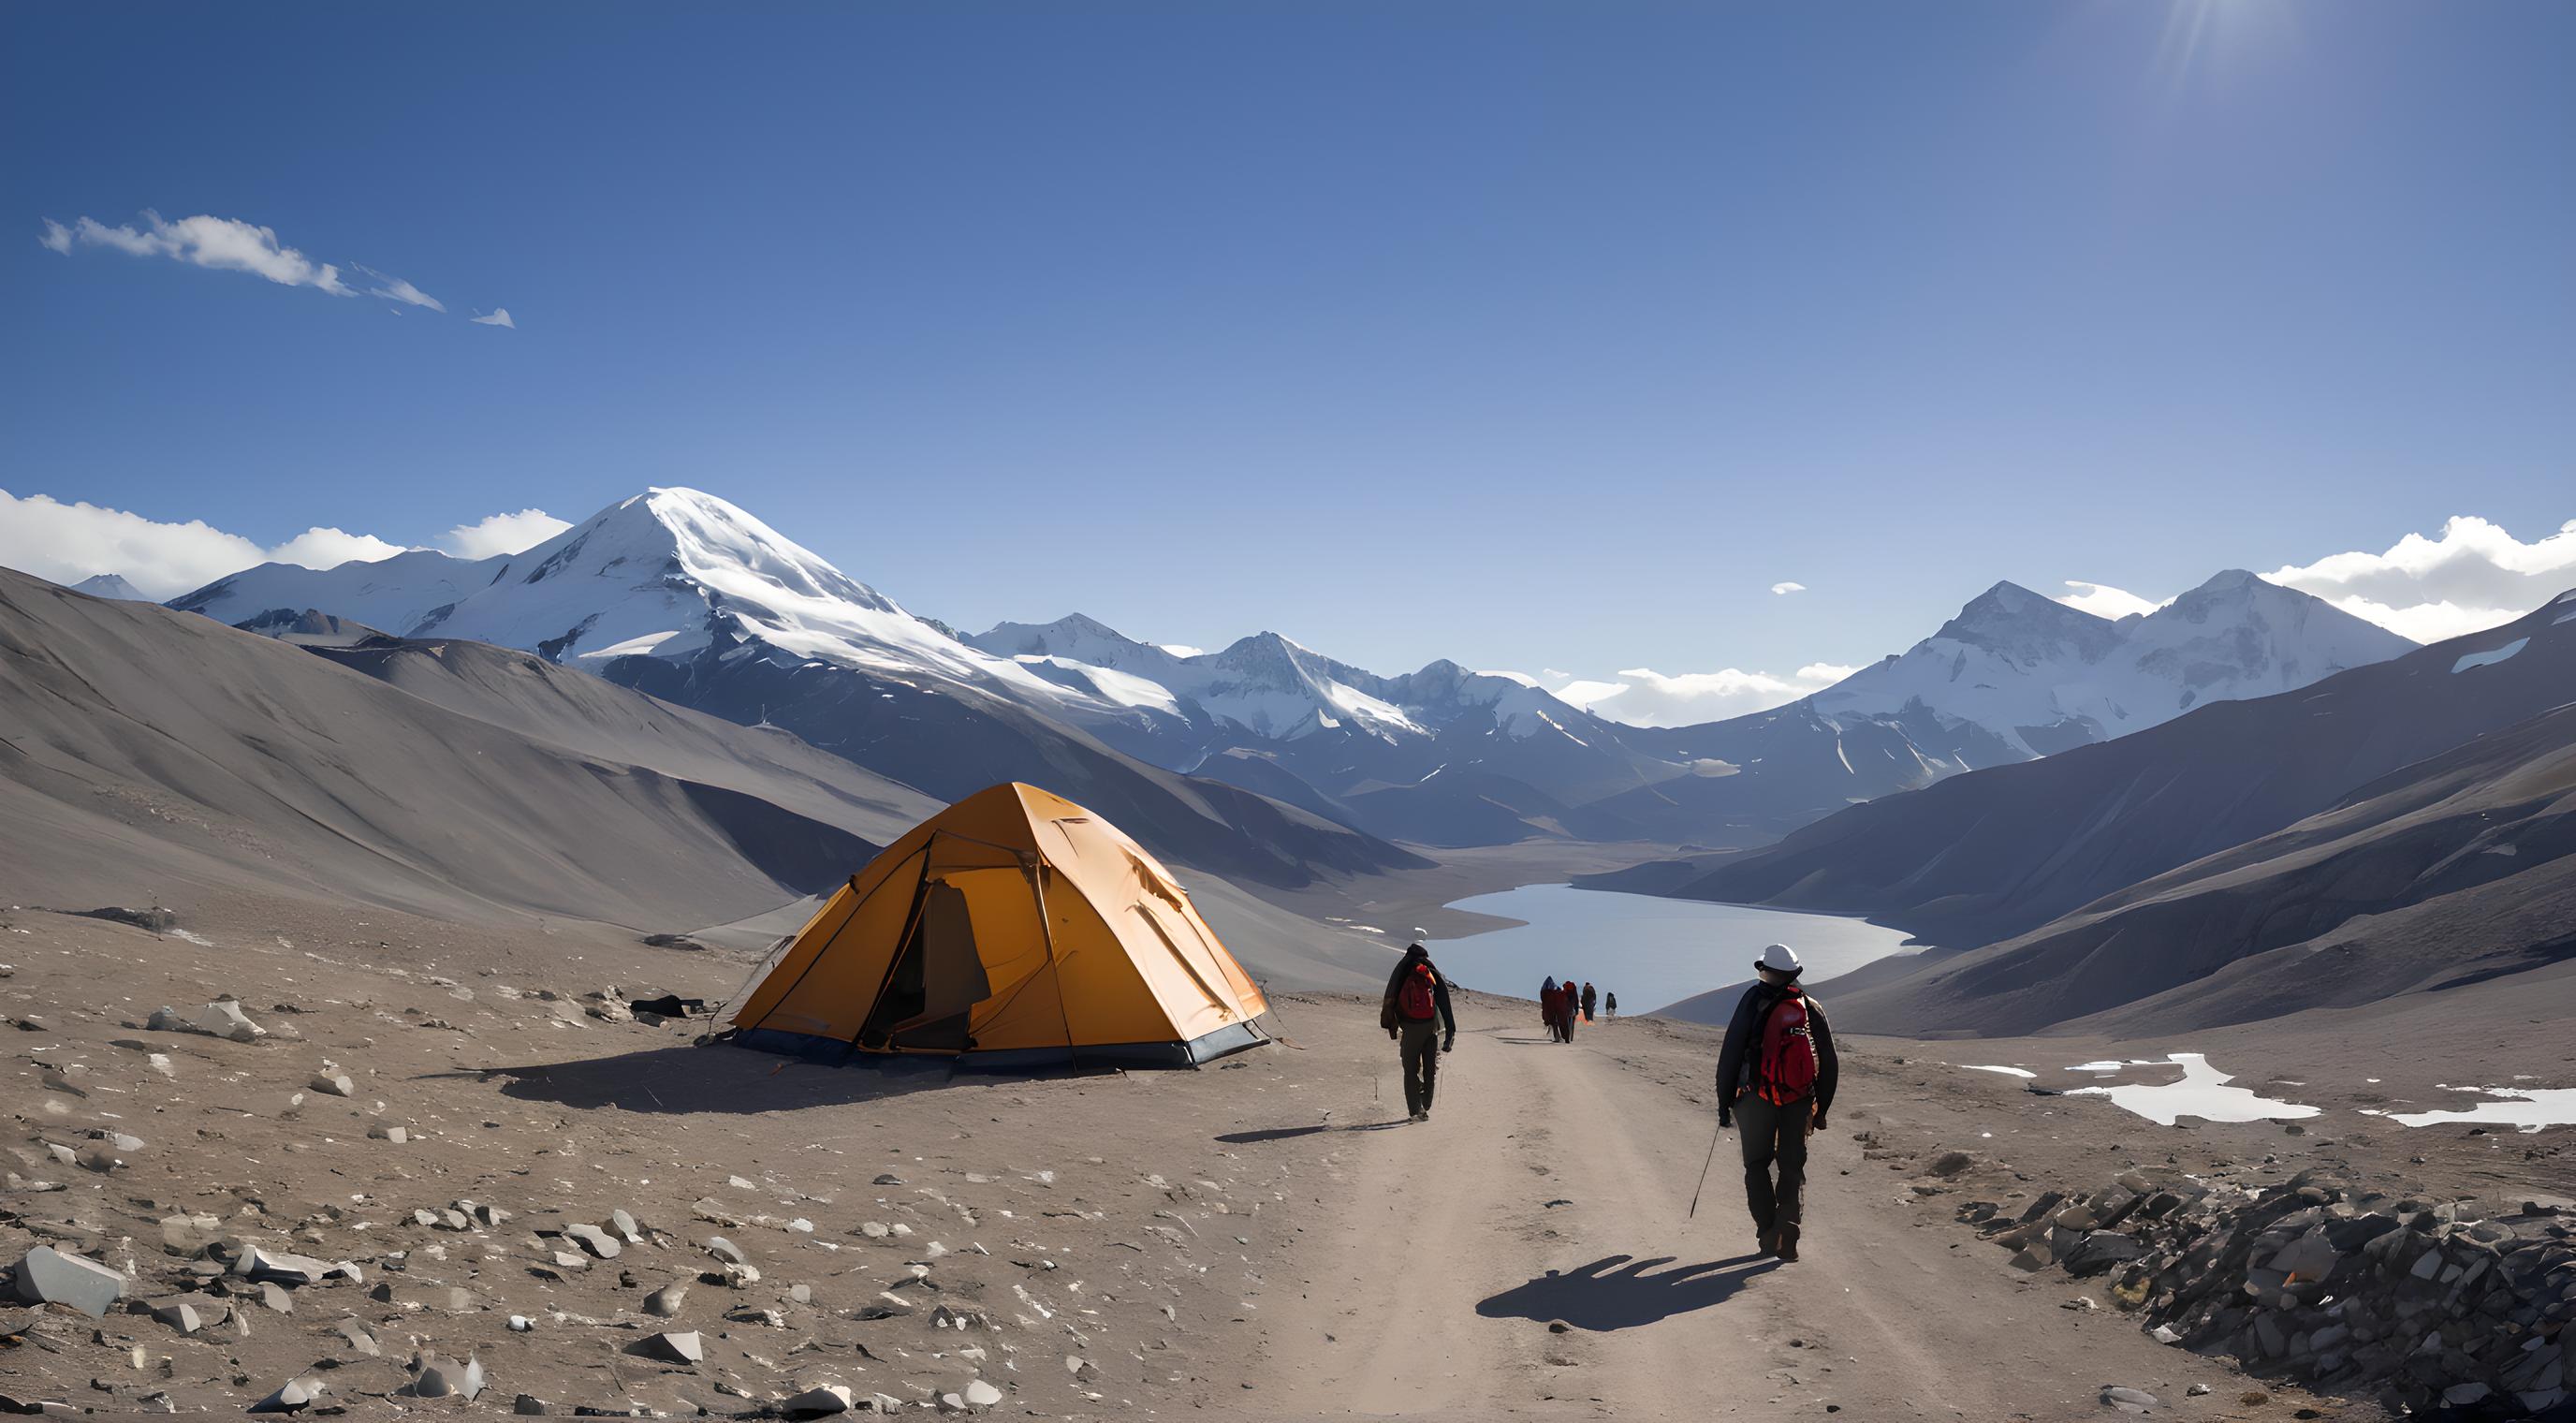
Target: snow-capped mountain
x=1268 y=686
x=1444 y=754
x=2016 y=676
x=668 y=574
x=109 y=585
x=686 y=596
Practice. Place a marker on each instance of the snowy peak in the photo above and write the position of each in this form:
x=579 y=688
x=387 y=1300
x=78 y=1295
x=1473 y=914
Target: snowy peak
x=2013 y=621
x=2239 y=636
x=109 y=585
x=1075 y=638
x=2038 y=676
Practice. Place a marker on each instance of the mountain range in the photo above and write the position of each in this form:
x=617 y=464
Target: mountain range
x=151 y=756
x=681 y=594
x=2393 y=828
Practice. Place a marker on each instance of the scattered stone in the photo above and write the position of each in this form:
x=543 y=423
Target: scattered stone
x=224 y=1018
x=333 y=1084
x=47 y=1276
x=595 y=1240
x=359 y=1338
x=293 y=1396
x=980 y=1394
x=726 y=1251
x=671 y=1346
x=528 y=1405
x=2130 y=1400
x=664 y=1303
x=819 y=1402
x=1951 y=1163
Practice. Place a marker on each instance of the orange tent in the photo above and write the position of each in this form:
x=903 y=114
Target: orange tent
x=1015 y=928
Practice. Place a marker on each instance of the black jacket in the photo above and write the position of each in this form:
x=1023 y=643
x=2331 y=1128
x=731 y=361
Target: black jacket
x=1743 y=1051
x=1389 y=1019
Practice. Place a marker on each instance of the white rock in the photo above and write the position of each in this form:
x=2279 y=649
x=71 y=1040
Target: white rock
x=47 y=1276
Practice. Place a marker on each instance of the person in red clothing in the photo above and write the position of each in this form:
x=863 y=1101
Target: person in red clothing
x=1416 y=1013
x=1776 y=1074
x=1572 y=1008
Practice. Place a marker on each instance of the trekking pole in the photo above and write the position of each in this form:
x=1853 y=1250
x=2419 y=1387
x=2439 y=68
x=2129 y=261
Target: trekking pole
x=1703 y=1171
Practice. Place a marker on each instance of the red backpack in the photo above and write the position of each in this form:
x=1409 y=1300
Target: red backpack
x=1787 y=1069
x=1415 y=1001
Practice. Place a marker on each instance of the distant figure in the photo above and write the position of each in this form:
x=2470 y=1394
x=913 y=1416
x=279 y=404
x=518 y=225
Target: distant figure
x=1588 y=1000
x=1551 y=1010
x=1776 y=1072
x=1610 y=1004
x=1573 y=1005
x=1416 y=1007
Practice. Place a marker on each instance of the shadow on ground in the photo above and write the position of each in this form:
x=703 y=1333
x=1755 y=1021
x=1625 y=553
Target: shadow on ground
x=728 y=1080
x=1246 y=1138
x=1607 y=1294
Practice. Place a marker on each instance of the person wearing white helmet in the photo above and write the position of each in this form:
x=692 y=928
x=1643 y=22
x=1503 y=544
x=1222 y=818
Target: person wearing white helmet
x=1775 y=1080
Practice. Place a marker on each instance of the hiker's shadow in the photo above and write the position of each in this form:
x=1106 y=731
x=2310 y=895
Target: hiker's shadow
x=1247 y=1138
x=1617 y=1292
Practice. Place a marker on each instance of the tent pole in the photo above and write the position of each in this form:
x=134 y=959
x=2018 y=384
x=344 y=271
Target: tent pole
x=1046 y=929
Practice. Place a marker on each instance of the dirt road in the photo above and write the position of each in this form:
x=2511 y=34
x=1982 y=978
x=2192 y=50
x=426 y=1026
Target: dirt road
x=1551 y=1185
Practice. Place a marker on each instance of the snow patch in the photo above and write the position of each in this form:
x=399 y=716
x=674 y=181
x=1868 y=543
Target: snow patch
x=2006 y=1071
x=2203 y=1092
x=2492 y=656
x=2526 y=1109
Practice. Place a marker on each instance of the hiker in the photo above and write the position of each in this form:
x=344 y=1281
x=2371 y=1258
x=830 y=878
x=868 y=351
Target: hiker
x=1588 y=1001
x=1551 y=1010
x=1573 y=1004
x=1416 y=1008
x=1775 y=1080
x=1610 y=1004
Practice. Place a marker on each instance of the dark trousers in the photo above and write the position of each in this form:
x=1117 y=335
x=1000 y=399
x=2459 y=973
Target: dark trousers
x=1420 y=1046
x=1774 y=1134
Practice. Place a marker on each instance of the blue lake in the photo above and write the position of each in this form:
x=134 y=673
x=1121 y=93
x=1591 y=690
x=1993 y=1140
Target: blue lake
x=1649 y=950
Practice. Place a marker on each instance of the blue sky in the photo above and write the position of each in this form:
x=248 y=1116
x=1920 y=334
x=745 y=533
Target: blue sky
x=1548 y=335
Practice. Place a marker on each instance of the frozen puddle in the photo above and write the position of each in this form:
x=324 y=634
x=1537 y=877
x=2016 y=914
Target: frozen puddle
x=2006 y=1071
x=2527 y=1108
x=2203 y=1092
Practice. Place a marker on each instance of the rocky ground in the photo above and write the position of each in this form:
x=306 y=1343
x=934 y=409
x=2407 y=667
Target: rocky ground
x=439 y=1162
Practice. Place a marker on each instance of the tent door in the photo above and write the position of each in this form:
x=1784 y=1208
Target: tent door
x=938 y=979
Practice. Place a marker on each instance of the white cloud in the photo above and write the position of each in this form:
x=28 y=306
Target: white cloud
x=223 y=243
x=396 y=289
x=1786 y=588
x=2104 y=601
x=329 y=548
x=502 y=533
x=2473 y=576
x=69 y=542
x=1645 y=697
x=229 y=244
x=500 y=317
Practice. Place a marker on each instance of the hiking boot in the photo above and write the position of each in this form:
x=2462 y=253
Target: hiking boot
x=1787 y=1246
x=1419 y=1117
x=1766 y=1242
